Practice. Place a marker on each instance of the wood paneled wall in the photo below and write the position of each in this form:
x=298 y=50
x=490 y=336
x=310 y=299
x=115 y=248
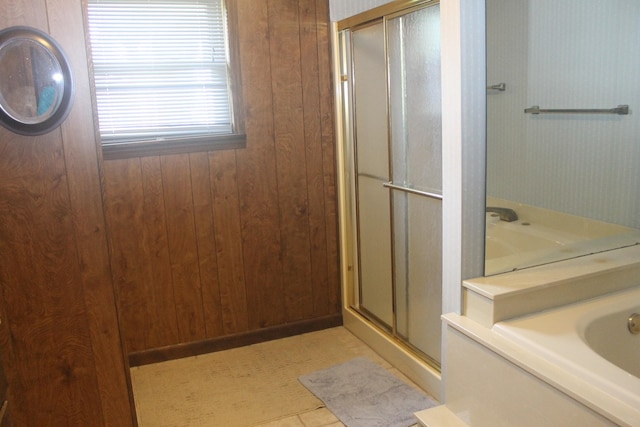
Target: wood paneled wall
x=218 y=243
x=60 y=341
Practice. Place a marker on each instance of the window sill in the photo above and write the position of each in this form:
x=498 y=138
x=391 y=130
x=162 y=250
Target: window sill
x=173 y=146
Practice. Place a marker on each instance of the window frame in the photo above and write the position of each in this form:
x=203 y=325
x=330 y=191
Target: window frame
x=179 y=145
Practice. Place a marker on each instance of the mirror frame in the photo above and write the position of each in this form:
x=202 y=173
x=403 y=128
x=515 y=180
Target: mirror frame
x=53 y=120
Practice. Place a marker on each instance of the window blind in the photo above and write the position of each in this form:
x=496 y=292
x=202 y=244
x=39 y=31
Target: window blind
x=160 y=69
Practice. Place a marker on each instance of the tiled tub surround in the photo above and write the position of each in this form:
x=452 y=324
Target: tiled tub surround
x=540 y=236
x=509 y=360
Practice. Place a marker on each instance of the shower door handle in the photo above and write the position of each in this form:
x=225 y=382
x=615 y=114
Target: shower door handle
x=428 y=194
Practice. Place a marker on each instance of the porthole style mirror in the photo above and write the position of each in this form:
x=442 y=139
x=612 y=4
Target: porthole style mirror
x=36 y=82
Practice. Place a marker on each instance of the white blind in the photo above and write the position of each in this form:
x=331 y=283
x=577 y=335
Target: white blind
x=160 y=68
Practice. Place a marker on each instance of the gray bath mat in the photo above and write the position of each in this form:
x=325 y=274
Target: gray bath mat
x=361 y=393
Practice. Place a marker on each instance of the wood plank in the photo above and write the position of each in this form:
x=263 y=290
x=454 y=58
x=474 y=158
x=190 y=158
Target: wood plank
x=314 y=155
x=45 y=334
x=257 y=184
x=183 y=247
x=226 y=209
x=328 y=148
x=124 y=210
x=206 y=242
x=46 y=321
x=161 y=325
x=81 y=152
x=87 y=269
x=284 y=42
x=140 y=257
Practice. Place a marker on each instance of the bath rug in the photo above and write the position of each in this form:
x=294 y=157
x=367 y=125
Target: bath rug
x=361 y=393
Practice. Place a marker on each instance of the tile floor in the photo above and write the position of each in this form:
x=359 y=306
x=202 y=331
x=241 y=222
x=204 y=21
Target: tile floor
x=320 y=417
x=253 y=386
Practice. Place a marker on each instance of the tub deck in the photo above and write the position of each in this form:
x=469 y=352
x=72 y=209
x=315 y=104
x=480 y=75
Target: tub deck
x=491 y=299
x=558 y=336
x=516 y=300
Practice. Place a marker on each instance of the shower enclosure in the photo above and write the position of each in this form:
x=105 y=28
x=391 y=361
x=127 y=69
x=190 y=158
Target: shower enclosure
x=392 y=174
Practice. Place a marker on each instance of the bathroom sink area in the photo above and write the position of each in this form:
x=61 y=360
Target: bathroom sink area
x=540 y=236
x=512 y=238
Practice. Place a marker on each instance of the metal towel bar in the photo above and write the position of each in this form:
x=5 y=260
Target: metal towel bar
x=620 y=109
x=393 y=186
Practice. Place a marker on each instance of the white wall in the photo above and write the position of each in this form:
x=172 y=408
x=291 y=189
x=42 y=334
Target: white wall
x=568 y=54
x=341 y=9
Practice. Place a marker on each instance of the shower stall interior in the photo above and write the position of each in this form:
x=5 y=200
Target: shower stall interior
x=391 y=170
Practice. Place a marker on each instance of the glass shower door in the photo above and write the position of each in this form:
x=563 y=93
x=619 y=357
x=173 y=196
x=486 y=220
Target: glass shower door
x=416 y=176
x=372 y=166
x=394 y=69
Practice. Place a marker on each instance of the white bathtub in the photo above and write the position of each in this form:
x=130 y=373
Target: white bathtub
x=591 y=344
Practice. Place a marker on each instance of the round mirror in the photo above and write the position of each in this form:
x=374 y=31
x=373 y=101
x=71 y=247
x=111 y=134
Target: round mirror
x=36 y=83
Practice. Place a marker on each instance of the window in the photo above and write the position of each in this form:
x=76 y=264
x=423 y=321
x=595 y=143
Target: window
x=162 y=76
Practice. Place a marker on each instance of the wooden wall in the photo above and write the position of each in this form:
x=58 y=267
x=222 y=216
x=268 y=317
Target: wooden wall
x=61 y=346
x=212 y=244
x=203 y=245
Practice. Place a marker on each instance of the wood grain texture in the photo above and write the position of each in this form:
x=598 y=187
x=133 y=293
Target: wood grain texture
x=140 y=257
x=314 y=154
x=59 y=332
x=82 y=161
x=46 y=328
x=327 y=111
x=183 y=248
x=289 y=130
x=257 y=172
x=207 y=245
x=226 y=216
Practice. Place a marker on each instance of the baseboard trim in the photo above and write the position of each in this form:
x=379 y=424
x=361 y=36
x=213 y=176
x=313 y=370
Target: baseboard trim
x=211 y=345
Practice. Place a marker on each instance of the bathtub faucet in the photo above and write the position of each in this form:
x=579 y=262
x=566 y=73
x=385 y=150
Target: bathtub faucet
x=505 y=214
